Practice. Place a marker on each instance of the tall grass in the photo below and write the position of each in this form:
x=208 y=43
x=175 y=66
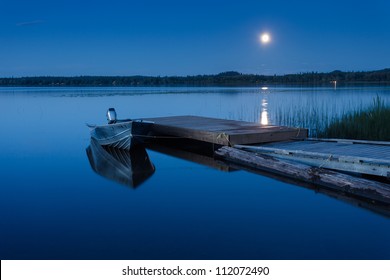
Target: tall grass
x=372 y=123
x=314 y=119
x=311 y=114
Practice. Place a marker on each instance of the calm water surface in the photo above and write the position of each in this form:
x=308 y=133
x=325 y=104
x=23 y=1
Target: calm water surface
x=54 y=206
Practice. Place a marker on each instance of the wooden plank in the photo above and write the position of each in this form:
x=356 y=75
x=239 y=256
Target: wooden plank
x=267 y=136
x=183 y=132
x=364 y=150
x=326 y=178
x=351 y=141
x=372 y=166
x=222 y=132
x=344 y=157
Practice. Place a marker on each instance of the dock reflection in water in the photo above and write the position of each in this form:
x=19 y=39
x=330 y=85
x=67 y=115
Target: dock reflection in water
x=133 y=167
x=130 y=168
x=193 y=151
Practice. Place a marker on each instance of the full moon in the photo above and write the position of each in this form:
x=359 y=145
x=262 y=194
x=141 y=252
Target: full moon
x=265 y=38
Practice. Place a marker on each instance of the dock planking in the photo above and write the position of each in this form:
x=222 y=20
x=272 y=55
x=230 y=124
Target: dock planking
x=364 y=157
x=334 y=180
x=285 y=151
x=221 y=131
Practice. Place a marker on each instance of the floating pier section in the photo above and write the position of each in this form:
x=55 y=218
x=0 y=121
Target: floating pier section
x=363 y=157
x=368 y=189
x=335 y=164
x=223 y=132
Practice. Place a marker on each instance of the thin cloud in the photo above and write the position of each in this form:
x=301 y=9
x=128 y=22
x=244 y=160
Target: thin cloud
x=27 y=23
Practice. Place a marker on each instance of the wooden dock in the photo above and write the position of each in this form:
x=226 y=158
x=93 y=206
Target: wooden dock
x=284 y=151
x=363 y=157
x=355 y=186
x=223 y=132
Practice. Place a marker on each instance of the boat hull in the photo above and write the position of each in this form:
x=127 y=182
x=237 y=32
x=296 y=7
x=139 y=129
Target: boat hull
x=121 y=135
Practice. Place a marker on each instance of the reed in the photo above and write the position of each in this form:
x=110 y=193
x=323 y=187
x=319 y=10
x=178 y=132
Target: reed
x=366 y=123
x=372 y=123
x=309 y=115
x=313 y=119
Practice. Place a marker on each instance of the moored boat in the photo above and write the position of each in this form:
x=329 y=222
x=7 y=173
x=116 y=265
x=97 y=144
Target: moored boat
x=121 y=134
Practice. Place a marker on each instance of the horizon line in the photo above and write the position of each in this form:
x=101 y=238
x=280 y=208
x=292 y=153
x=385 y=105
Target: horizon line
x=194 y=75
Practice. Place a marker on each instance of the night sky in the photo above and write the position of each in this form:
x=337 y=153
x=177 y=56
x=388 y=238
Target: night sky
x=71 y=38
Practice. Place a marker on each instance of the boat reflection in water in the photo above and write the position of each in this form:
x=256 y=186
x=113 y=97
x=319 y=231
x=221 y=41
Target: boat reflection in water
x=127 y=167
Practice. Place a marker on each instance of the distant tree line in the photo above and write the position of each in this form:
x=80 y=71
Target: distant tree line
x=230 y=78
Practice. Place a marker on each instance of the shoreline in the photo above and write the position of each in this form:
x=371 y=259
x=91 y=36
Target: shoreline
x=225 y=79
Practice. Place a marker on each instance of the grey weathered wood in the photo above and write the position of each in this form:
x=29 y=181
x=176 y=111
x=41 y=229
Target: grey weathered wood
x=320 y=156
x=330 y=179
x=222 y=132
x=365 y=158
x=352 y=141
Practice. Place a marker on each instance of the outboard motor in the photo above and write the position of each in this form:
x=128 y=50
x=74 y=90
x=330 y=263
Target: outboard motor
x=111 y=116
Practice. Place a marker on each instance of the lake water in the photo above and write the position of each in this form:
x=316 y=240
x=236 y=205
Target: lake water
x=53 y=205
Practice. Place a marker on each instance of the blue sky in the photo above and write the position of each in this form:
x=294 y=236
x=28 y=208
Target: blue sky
x=172 y=37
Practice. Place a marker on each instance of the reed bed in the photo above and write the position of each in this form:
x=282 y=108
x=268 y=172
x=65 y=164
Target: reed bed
x=372 y=123
x=366 y=123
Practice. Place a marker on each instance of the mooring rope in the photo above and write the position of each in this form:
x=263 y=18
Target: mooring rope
x=223 y=135
x=325 y=160
x=299 y=132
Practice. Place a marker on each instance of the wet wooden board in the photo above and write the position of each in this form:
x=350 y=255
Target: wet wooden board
x=363 y=157
x=223 y=132
x=372 y=190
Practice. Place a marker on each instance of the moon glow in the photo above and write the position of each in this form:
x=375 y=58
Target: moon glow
x=265 y=38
